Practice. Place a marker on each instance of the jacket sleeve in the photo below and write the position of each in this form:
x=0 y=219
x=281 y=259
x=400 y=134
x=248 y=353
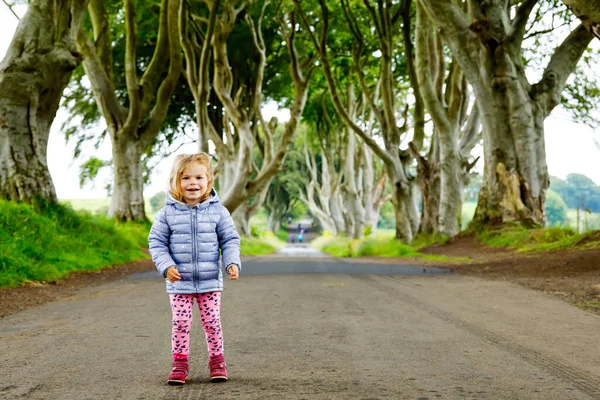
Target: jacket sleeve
x=229 y=240
x=158 y=243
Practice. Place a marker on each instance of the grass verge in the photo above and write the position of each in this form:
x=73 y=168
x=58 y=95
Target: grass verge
x=46 y=242
x=547 y=239
x=380 y=246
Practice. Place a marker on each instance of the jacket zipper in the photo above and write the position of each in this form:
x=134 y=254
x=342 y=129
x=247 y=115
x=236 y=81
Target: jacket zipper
x=194 y=263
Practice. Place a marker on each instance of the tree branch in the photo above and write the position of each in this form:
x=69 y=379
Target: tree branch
x=562 y=63
x=10 y=7
x=434 y=106
x=471 y=134
x=419 y=110
x=159 y=111
x=102 y=86
x=102 y=39
x=519 y=22
x=131 y=77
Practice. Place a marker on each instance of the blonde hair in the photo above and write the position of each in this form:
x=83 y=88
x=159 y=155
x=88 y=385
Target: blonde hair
x=181 y=163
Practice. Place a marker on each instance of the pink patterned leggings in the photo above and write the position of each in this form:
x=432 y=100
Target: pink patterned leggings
x=210 y=316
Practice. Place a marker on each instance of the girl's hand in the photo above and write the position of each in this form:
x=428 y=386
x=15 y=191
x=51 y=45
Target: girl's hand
x=233 y=272
x=173 y=274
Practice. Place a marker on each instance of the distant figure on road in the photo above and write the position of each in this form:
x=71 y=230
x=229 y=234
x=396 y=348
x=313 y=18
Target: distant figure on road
x=185 y=240
x=301 y=236
x=292 y=238
x=289 y=220
x=299 y=227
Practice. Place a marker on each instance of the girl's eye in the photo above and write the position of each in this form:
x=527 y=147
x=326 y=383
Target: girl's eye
x=186 y=178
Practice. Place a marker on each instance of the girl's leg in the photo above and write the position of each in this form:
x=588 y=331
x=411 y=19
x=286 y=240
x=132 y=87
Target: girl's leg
x=181 y=307
x=210 y=316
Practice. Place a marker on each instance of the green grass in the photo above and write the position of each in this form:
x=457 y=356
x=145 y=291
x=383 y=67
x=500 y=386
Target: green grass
x=589 y=306
x=47 y=242
x=382 y=246
x=255 y=247
x=524 y=240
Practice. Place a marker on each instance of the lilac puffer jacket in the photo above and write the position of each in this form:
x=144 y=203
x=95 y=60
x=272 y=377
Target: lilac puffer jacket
x=192 y=239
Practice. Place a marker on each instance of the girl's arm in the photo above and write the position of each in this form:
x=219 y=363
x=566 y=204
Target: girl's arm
x=158 y=243
x=229 y=240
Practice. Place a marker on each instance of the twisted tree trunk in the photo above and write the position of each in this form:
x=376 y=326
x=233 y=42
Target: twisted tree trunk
x=33 y=75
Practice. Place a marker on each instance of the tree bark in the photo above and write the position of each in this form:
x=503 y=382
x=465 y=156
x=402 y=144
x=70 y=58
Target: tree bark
x=588 y=12
x=428 y=176
x=33 y=75
x=242 y=215
x=128 y=184
x=512 y=110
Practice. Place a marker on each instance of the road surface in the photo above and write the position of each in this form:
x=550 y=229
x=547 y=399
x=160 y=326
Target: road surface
x=311 y=327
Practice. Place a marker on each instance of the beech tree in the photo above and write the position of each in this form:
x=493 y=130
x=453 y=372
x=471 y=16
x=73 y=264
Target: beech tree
x=486 y=39
x=384 y=17
x=240 y=177
x=33 y=75
x=134 y=122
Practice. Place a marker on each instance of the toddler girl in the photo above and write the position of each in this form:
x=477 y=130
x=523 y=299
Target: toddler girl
x=185 y=241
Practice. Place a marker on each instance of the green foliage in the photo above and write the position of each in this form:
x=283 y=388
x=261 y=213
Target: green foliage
x=89 y=169
x=577 y=191
x=256 y=231
x=581 y=95
x=387 y=217
x=555 y=209
x=45 y=242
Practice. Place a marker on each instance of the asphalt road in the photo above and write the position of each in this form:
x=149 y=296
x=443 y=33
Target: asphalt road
x=311 y=328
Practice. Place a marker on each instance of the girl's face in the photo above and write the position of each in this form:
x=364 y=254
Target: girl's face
x=193 y=183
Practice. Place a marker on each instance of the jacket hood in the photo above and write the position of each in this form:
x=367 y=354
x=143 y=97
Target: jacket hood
x=213 y=198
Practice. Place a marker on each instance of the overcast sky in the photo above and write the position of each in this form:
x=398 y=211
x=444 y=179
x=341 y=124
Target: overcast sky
x=570 y=147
